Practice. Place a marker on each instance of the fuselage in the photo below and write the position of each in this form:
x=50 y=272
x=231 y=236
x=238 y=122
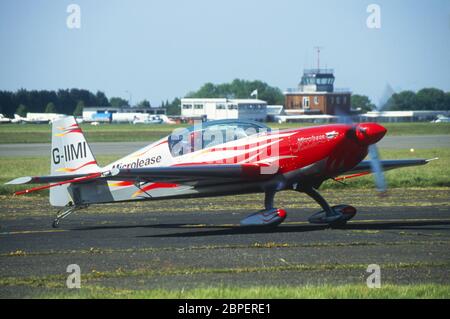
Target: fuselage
x=307 y=155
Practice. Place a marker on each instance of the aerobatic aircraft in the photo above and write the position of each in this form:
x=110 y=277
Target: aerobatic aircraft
x=217 y=158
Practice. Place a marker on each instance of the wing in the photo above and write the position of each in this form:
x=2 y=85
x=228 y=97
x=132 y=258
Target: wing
x=364 y=168
x=192 y=174
x=244 y=172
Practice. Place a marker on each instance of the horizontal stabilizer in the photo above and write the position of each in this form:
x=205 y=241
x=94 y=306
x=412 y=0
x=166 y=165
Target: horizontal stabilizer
x=44 y=179
x=89 y=177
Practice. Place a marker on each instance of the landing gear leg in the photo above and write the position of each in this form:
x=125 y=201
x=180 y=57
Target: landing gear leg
x=334 y=216
x=64 y=212
x=314 y=194
x=269 y=198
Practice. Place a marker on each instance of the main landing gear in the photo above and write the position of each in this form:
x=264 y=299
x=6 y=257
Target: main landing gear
x=269 y=217
x=333 y=216
x=66 y=211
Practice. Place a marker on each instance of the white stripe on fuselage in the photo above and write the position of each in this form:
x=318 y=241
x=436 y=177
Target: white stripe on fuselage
x=160 y=148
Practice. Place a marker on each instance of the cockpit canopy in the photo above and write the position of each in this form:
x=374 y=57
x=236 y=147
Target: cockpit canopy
x=208 y=134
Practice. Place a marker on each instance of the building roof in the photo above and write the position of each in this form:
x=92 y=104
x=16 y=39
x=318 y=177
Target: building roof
x=402 y=113
x=223 y=100
x=204 y=100
x=294 y=91
x=120 y=108
x=247 y=101
x=318 y=71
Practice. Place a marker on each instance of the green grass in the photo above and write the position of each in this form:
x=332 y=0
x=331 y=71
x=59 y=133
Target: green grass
x=434 y=174
x=352 y=291
x=53 y=286
x=52 y=281
x=33 y=133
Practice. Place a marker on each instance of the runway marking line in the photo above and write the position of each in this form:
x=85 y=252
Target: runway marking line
x=21 y=232
x=363 y=221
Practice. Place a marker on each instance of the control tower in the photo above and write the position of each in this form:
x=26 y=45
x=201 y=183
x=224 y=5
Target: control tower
x=316 y=94
x=317 y=80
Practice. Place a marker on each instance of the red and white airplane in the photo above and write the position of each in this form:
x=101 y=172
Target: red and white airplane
x=214 y=159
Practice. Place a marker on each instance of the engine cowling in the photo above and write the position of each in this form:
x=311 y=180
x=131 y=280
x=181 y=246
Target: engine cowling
x=267 y=217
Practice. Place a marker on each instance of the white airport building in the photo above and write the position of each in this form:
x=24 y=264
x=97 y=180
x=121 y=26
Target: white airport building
x=403 y=116
x=222 y=108
x=373 y=116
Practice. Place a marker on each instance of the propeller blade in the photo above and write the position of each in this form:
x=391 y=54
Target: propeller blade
x=377 y=168
x=343 y=117
x=375 y=162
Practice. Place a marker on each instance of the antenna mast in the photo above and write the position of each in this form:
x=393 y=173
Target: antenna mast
x=318 y=56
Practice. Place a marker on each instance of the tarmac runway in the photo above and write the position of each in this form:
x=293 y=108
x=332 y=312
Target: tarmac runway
x=192 y=243
x=123 y=148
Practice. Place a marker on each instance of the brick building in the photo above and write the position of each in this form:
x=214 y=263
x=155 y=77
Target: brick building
x=316 y=95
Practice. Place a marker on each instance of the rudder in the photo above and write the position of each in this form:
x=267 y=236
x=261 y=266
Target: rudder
x=70 y=154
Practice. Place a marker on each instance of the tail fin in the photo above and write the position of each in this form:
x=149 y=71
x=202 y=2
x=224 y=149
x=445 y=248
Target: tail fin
x=70 y=154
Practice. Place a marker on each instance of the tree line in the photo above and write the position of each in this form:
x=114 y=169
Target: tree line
x=72 y=101
x=425 y=99
x=38 y=101
x=240 y=89
x=65 y=101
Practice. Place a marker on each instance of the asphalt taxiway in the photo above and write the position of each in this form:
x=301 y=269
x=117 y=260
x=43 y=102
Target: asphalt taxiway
x=123 y=148
x=192 y=243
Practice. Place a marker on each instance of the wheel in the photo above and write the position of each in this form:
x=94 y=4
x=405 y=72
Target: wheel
x=347 y=211
x=55 y=223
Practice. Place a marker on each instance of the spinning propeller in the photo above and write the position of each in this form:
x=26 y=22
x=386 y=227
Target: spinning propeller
x=369 y=134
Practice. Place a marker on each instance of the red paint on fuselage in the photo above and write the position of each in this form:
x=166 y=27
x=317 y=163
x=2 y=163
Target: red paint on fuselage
x=343 y=146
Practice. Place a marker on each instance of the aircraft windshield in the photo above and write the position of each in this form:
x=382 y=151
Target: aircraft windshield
x=209 y=134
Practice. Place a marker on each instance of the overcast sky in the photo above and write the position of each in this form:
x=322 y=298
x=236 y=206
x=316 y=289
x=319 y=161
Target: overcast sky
x=158 y=50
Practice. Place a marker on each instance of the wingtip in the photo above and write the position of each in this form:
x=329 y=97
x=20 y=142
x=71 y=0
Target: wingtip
x=20 y=180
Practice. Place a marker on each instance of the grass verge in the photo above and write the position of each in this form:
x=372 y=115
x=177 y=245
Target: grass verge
x=95 y=276
x=270 y=292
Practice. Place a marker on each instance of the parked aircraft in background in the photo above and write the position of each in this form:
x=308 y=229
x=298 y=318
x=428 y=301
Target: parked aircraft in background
x=152 y=119
x=37 y=118
x=441 y=119
x=4 y=119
